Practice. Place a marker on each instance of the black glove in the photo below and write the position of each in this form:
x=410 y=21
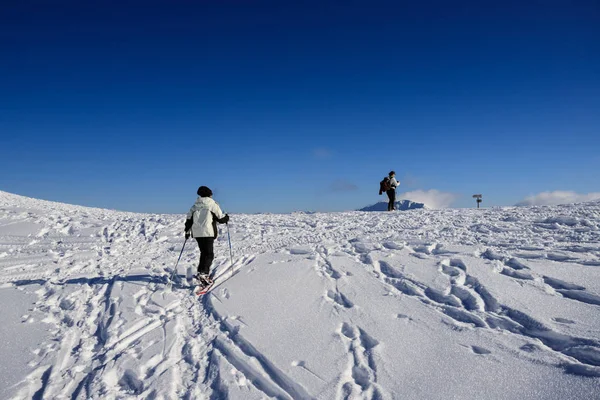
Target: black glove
x=225 y=219
x=188 y=234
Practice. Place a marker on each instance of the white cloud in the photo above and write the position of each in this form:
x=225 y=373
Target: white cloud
x=431 y=198
x=557 y=197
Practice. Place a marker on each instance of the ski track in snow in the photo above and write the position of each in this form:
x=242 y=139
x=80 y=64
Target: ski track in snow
x=120 y=330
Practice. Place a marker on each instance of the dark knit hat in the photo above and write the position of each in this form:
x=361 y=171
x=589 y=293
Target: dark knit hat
x=392 y=173
x=203 y=191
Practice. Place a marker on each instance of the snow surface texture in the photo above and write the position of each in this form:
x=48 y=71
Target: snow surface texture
x=425 y=304
x=401 y=205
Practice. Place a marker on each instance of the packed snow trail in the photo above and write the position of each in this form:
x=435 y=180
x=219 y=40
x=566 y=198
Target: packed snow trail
x=497 y=303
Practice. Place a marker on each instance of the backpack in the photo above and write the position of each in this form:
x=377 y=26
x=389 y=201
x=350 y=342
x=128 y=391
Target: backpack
x=384 y=185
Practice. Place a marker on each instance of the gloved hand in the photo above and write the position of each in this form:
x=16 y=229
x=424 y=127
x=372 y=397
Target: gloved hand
x=188 y=234
x=225 y=218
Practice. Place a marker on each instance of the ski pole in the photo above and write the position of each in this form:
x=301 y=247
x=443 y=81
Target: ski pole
x=230 y=249
x=176 y=264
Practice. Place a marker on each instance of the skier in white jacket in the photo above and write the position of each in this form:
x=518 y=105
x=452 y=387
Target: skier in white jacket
x=391 y=192
x=201 y=224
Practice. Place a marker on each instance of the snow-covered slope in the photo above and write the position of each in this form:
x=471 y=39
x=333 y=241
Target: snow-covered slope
x=401 y=205
x=433 y=304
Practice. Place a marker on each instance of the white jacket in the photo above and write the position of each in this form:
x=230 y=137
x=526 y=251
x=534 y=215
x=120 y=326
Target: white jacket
x=201 y=215
x=394 y=183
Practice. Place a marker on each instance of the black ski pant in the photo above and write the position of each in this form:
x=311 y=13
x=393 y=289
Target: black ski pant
x=392 y=196
x=207 y=253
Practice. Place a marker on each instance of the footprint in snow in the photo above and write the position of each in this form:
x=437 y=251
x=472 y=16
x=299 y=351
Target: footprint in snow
x=339 y=299
x=393 y=245
x=530 y=348
x=563 y=320
x=348 y=331
x=404 y=317
x=300 y=251
x=130 y=382
x=480 y=350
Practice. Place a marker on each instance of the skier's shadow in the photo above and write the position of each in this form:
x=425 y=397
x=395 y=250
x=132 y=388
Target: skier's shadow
x=140 y=279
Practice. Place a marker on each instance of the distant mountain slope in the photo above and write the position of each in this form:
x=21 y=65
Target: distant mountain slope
x=401 y=205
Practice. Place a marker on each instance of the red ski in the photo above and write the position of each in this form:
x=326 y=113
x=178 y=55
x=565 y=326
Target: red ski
x=202 y=290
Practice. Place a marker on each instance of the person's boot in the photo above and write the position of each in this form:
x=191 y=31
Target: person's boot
x=204 y=279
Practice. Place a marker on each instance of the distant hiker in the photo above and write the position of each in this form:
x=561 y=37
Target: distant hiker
x=201 y=223
x=389 y=185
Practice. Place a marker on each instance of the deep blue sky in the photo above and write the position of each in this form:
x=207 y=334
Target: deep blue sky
x=282 y=106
